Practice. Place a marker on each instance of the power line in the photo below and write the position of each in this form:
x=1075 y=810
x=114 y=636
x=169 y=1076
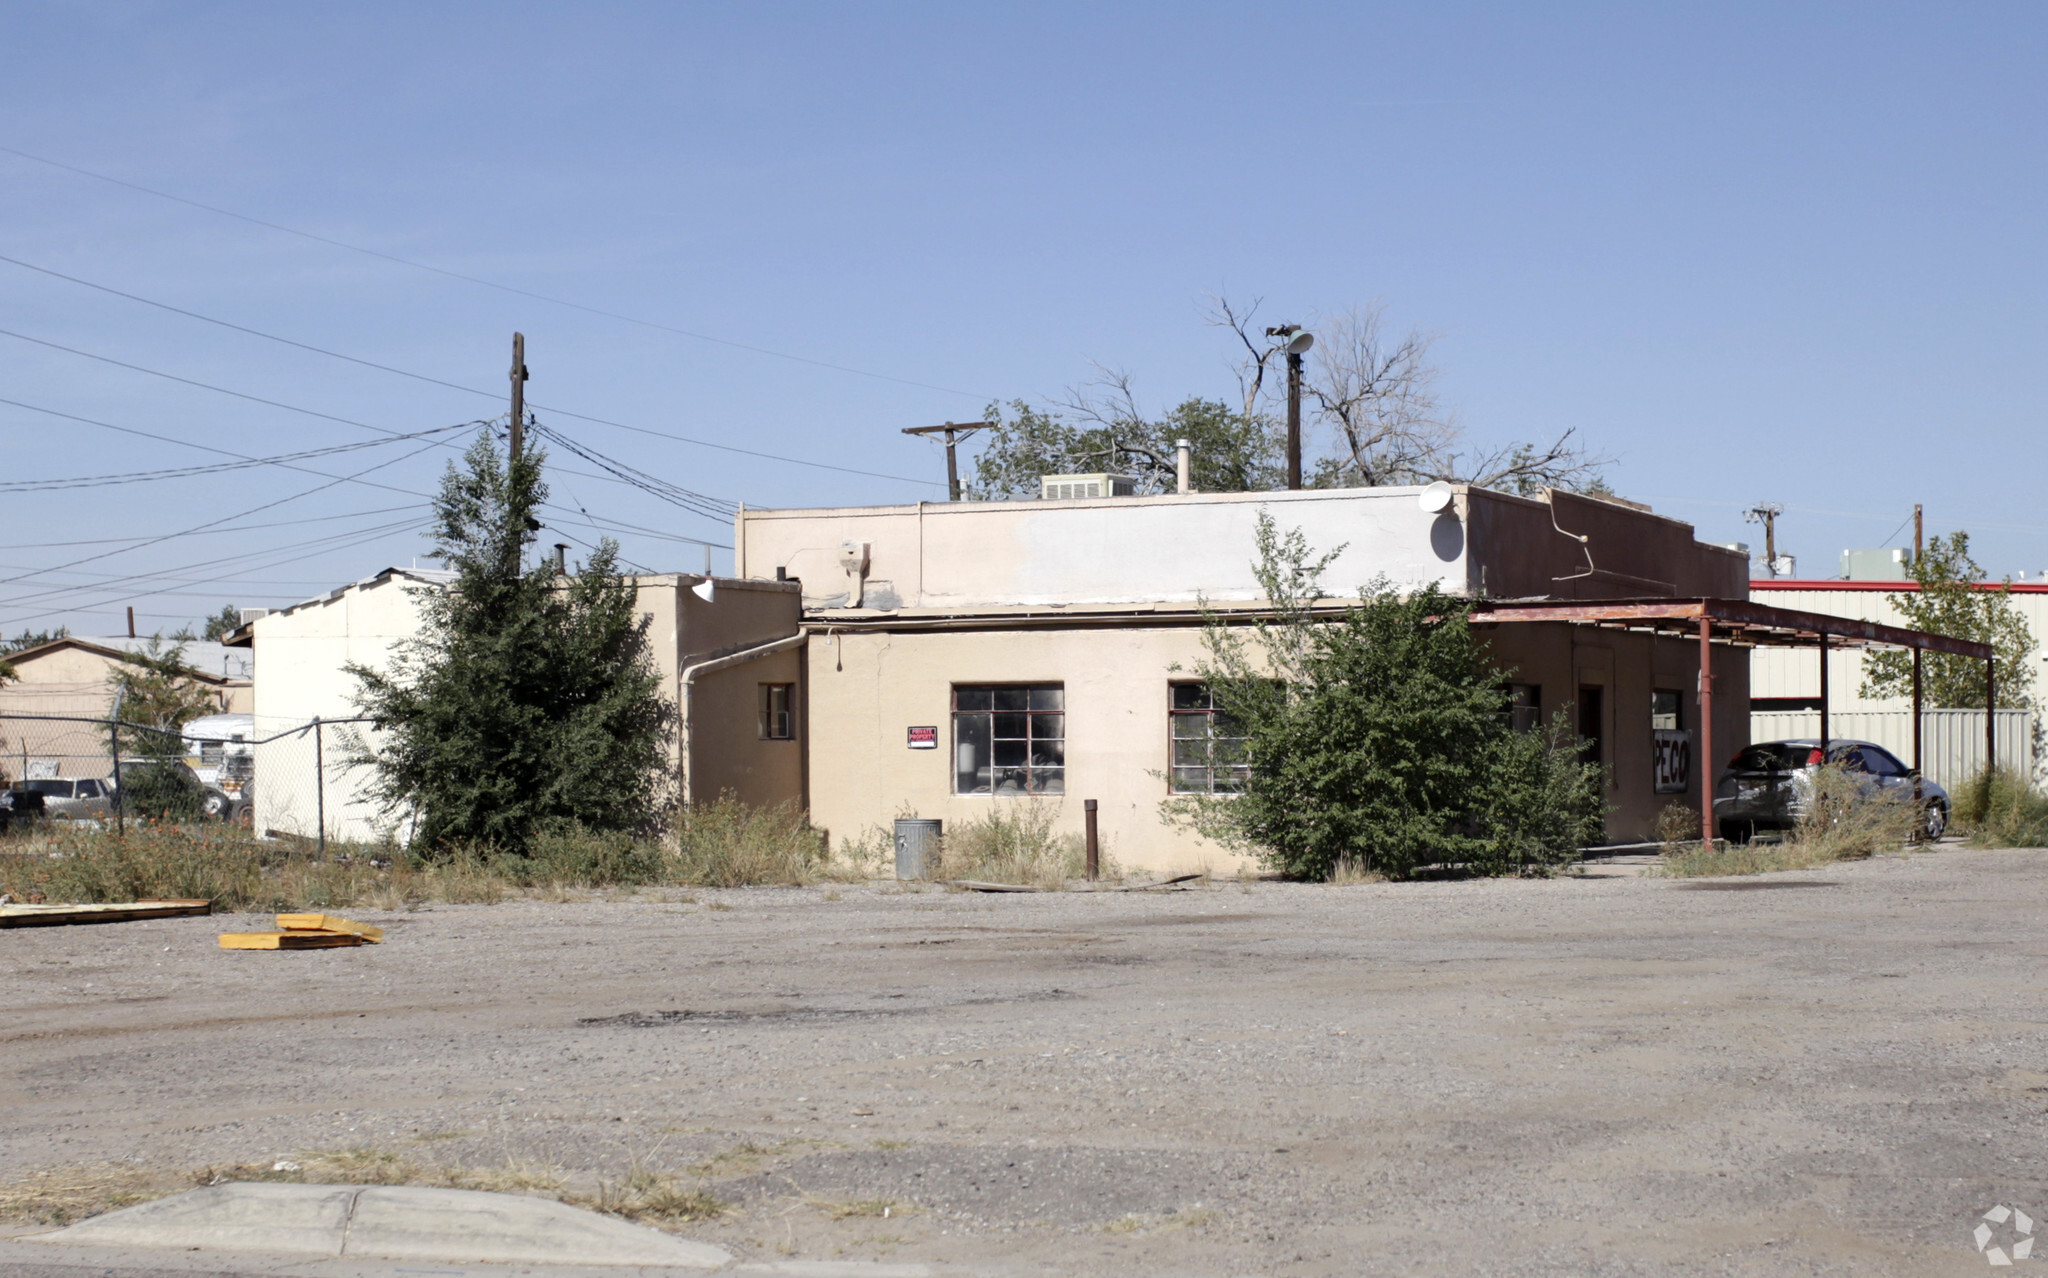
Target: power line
x=675 y=495
x=281 y=523
x=436 y=381
x=187 y=472
x=225 y=518
x=491 y=284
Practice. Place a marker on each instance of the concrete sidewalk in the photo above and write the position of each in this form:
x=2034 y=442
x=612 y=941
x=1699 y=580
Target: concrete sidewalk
x=265 y=1227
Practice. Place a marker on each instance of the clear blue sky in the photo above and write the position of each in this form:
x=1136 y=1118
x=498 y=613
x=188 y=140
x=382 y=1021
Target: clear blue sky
x=1758 y=253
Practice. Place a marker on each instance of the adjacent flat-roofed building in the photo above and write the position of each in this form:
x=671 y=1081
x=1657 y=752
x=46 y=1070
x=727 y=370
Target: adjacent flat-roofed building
x=725 y=652
x=967 y=654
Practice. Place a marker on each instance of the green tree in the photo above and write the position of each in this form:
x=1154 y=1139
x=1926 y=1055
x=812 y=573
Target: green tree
x=1231 y=452
x=1378 y=736
x=527 y=699
x=222 y=623
x=32 y=639
x=157 y=692
x=1955 y=600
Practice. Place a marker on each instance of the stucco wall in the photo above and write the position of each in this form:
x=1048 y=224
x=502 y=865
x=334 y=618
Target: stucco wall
x=74 y=681
x=1179 y=548
x=867 y=689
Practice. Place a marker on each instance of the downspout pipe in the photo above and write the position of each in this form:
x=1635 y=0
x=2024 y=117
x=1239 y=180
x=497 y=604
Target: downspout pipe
x=688 y=680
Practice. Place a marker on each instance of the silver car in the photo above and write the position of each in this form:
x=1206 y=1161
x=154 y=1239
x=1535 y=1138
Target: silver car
x=1768 y=786
x=70 y=798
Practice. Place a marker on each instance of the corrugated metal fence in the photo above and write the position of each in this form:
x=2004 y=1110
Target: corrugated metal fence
x=1952 y=741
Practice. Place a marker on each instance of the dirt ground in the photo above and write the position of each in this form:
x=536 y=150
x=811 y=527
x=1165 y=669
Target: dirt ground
x=1815 y=1073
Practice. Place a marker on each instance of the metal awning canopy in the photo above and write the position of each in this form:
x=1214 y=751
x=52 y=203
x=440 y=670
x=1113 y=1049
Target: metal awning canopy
x=1741 y=623
x=1733 y=621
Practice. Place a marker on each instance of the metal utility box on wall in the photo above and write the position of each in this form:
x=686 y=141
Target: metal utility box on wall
x=917 y=846
x=1063 y=487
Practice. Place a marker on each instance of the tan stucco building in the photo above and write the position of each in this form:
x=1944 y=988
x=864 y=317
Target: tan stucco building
x=966 y=654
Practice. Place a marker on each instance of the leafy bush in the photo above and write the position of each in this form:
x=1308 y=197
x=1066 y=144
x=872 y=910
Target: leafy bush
x=160 y=790
x=1999 y=809
x=1378 y=737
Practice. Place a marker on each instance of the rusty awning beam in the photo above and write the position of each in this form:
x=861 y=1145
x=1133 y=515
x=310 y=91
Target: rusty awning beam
x=1756 y=623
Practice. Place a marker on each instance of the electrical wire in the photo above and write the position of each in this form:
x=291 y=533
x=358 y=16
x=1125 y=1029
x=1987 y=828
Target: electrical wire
x=675 y=495
x=436 y=381
x=491 y=284
x=226 y=518
x=217 y=468
x=212 y=532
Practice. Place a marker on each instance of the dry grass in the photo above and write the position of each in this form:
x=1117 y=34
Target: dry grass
x=652 y=1198
x=722 y=844
x=1014 y=842
x=69 y=1194
x=1349 y=874
x=875 y=1208
x=2002 y=810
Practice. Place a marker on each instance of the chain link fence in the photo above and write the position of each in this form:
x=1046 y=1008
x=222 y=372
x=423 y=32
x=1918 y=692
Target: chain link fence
x=284 y=780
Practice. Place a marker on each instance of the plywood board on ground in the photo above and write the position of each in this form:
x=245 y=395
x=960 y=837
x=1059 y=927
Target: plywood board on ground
x=106 y=912
x=330 y=923
x=287 y=940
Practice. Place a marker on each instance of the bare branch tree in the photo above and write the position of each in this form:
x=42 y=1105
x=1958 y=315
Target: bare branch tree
x=1251 y=372
x=1374 y=396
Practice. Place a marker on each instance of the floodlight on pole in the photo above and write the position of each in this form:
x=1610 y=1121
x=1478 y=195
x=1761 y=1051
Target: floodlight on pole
x=1294 y=343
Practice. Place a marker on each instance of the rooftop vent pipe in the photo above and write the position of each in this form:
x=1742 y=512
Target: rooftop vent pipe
x=1184 y=466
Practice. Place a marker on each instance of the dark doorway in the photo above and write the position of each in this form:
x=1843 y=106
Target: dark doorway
x=1592 y=716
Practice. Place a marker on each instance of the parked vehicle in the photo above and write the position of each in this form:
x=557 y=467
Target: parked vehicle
x=20 y=808
x=217 y=750
x=71 y=798
x=1769 y=785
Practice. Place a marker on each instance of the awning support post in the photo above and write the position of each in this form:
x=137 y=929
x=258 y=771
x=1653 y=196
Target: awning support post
x=1823 y=696
x=1916 y=723
x=1990 y=714
x=1706 y=732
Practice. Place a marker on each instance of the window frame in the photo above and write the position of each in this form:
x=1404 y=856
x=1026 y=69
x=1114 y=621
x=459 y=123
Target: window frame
x=765 y=703
x=1677 y=715
x=1212 y=715
x=1524 y=716
x=1042 y=701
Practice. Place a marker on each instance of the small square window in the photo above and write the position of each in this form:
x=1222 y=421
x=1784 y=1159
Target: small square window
x=1664 y=709
x=778 y=718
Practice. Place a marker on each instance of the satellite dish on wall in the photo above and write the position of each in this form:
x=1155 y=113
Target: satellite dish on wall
x=704 y=590
x=1436 y=499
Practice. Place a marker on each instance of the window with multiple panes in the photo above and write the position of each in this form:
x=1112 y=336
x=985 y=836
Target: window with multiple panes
x=1009 y=739
x=1208 y=745
x=1664 y=709
x=1525 y=706
x=778 y=717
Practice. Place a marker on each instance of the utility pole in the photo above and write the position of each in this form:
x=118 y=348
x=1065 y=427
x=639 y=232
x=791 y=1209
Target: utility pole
x=1766 y=513
x=1295 y=343
x=518 y=395
x=954 y=433
x=1918 y=546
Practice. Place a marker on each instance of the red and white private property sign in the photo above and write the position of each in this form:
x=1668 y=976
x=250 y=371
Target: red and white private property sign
x=924 y=738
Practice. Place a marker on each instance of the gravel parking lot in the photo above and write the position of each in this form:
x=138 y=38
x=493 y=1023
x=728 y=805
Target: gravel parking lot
x=1825 y=1072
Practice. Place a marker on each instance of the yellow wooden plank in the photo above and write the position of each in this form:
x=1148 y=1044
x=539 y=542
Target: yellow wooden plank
x=287 y=940
x=330 y=923
x=110 y=912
